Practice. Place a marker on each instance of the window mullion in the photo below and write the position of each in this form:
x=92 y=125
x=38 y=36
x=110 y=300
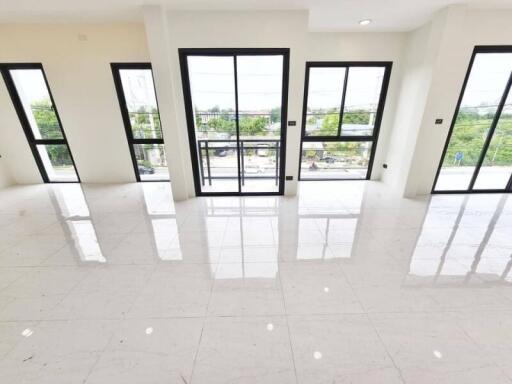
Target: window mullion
x=342 y=107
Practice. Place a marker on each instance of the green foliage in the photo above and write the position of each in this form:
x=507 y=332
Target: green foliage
x=220 y=124
x=224 y=122
x=145 y=163
x=356 y=117
x=46 y=119
x=345 y=149
x=330 y=125
x=49 y=128
x=330 y=122
x=275 y=115
x=312 y=120
x=146 y=123
x=253 y=126
x=59 y=155
x=469 y=135
x=310 y=153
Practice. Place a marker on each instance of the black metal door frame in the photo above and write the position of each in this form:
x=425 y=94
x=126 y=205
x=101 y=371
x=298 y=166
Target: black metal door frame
x=508 y=189
x=233 y=52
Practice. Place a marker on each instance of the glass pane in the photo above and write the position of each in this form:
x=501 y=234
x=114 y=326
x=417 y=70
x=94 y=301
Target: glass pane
x=260 y=83
x=483 y=92
x=37 y=104
x=57 y=162
x=151 y=161
x=139 y=93
x=335 y=160
x=497 y=166
x=325 y=90
x=362 y=100
x=212 y=86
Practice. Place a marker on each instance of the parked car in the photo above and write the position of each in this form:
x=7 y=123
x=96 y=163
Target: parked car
x=143 y=170
x=262 y=150
x=329 y=159
x=221 y=152
x=254 y=170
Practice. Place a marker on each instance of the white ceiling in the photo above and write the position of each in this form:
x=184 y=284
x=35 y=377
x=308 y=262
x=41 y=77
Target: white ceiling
x=325 y=15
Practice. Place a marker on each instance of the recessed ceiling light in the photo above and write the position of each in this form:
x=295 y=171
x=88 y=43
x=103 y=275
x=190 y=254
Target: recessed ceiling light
x=365 y=21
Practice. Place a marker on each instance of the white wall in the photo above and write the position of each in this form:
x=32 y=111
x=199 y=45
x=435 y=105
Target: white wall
x=157 y=35
x=5 y=176
x=419 y=53
x=76 y=59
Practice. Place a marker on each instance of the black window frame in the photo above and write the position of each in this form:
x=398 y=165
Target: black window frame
x=508 y=188
x=339 y=138
x=116 y=68
x=5 y=69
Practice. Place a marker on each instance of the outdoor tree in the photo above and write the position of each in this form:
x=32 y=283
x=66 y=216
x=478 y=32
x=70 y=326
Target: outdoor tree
x=468 y=137
x=46 y=119
x=330 y=125
x=145 y=123
x=253 y=126
x=49 y=128
x=275 y=115
x=222 y=125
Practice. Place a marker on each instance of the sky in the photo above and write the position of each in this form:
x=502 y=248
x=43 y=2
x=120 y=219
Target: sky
x=138 y=88
x=30 y=84
x=326 y=87
x=488 y=78
x=260 y=83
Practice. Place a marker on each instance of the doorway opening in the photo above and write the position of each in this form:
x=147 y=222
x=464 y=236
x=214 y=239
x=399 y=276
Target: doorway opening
x=235 y=102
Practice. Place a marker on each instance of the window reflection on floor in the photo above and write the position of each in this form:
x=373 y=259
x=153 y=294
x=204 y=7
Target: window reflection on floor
x=463 y=240
x=234 y=237
x=72 y=205
x=161 y=213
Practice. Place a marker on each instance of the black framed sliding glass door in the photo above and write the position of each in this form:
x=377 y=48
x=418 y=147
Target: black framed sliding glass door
x=139 y=108
x=34 y=104
x=478 y=152
x=342 y=112
x=235 y=101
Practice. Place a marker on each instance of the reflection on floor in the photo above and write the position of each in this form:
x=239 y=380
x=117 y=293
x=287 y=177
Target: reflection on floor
x=344 y=283
x=253 y=184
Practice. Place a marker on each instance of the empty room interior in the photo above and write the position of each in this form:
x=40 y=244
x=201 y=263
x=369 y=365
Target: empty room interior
x=255 y=192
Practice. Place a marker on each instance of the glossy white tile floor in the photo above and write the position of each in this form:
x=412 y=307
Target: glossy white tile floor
x=343 y=284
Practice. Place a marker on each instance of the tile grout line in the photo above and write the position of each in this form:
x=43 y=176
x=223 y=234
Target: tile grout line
x=86 y=275
x=288 y=327
x=494 y=362
x=367 y=315
x=100 y=355
x=205 y=317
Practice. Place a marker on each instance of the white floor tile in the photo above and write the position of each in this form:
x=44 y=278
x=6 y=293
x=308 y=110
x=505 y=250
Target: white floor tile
x=344 y=283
